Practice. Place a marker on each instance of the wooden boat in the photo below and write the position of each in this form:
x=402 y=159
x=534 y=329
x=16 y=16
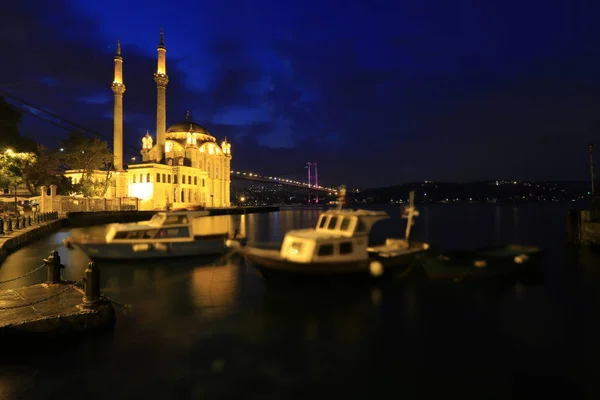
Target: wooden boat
x=491 y=263
x=338 y=246
x=167 y=234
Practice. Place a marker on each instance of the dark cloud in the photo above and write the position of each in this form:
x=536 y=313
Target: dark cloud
x=457 y=93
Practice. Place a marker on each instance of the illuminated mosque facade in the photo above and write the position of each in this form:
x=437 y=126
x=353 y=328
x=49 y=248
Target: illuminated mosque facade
x=184 y=166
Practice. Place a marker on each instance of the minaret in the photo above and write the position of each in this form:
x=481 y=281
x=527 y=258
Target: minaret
x=161 y=79
x=118 y=89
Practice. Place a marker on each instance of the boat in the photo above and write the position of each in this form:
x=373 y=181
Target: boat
x=167 y=234
x=338 y=246
x=506 y=261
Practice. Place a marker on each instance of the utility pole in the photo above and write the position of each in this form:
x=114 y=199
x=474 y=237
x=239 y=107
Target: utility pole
x=591 y=151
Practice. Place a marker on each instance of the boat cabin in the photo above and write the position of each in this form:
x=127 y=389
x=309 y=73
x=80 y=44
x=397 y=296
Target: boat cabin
x=162 y=225
x=340 y=235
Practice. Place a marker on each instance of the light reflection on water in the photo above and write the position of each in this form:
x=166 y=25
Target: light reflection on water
x=213 y=327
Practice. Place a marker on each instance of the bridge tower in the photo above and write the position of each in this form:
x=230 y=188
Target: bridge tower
x=316 y=179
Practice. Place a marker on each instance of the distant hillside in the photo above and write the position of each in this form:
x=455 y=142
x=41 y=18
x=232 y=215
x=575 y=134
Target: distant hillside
x=483 y=191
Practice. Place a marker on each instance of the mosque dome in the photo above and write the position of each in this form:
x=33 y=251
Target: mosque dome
x=181 y=129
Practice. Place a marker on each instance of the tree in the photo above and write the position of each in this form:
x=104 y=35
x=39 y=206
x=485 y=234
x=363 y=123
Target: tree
x=46 y=171
x=10 y=118
x=10 y=138
x=12 y=167
x=88 y=155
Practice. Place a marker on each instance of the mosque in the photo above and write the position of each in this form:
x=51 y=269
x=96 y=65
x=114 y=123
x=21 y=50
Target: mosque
x=184 y=167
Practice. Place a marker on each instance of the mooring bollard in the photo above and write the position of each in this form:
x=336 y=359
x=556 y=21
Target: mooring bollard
x=91 y=284
x=54 y=267
x=9 y=227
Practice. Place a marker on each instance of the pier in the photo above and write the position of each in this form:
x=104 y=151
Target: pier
x=55 y=307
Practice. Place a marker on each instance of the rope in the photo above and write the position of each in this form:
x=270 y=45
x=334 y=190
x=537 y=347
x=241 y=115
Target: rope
x=31 y=303
x=24 y=275
x=126 y=307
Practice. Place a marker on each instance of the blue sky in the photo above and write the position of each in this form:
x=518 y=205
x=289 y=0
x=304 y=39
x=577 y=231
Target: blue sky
x=379 y=92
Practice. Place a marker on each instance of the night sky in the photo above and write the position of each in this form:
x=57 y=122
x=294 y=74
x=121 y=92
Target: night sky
x=377 y=92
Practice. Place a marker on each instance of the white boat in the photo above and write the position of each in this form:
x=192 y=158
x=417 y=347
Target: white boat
x=167 y=234
x=338 y=246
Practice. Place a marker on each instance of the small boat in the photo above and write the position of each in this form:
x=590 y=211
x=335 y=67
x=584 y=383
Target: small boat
x=167 y=234
x=491 y=263
x=338 y=246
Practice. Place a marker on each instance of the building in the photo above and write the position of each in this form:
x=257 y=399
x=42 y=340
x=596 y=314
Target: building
x=185 y=166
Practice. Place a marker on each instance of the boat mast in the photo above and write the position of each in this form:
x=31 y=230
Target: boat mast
x=341 y=197
x=409 y=213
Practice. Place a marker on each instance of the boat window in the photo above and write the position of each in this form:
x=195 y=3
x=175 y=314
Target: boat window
x=322 y=221
x=120 y=235
x=345 y=224
x=140 y=234
x=173 y=232
x=360 y=226
x=346 y=248
x=176 y=219
x=156 y=219
x=295 y=248
x=332 y=223
x=326 y=250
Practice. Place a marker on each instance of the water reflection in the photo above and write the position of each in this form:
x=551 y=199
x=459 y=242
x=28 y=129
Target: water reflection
x=214 y=289
x=190 y=314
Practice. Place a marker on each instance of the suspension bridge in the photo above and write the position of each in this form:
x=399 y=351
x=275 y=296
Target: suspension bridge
x=311 y=184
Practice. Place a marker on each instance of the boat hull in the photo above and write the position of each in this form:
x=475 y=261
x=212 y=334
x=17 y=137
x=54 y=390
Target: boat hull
x=126 y=251
x=490 y=264
x=273 y=267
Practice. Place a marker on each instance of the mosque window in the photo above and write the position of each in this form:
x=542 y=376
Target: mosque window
x=163 y=178
x=182 y=196
x=196 y=180
x=189 y=180
x=169 y=178
x=183 y=179
x=134 y=176
x=158 y=177
x=203 y=183
x=175 y=178
x=148 y=177
x=169 y=161
x=180 y=161
x=141 y=178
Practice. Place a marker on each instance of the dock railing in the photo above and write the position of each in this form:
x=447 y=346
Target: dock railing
x=10 y=224
x=90 y=283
